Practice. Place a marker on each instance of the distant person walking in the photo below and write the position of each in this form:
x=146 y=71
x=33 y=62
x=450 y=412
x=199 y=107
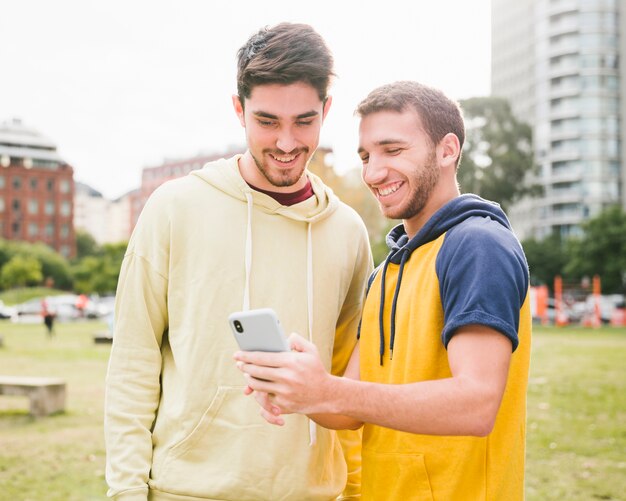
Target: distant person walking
x=48 y=317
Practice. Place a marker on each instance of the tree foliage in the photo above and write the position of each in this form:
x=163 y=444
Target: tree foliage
x=602 y=250
x=546 y=259
x=497 y=160
x=54 y=268
x=99 y=273
x=21 y=271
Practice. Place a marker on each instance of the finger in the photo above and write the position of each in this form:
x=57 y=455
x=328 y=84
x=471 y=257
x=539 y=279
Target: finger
x=298 y=343
x=261 y=358
x=247 y=391
x=257 y=372
x=271 y=418
x=260 y=385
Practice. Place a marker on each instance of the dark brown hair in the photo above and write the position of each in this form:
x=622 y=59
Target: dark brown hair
x=284 y=54
x=438 y=113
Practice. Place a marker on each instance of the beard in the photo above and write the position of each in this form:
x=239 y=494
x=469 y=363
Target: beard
x=424 y=182
x=281 y=177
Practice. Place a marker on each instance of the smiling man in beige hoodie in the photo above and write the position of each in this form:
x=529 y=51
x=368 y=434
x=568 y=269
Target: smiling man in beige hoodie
x=256 y=230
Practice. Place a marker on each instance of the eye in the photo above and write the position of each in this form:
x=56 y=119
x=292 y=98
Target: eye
x=365 y=158
x=266 y=123
x=304 y=123
x=393 y=151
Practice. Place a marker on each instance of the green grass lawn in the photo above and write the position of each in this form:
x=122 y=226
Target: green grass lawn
x=576 y=416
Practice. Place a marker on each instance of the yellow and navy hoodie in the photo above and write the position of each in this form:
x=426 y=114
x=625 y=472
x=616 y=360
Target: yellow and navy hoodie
x=465 y=266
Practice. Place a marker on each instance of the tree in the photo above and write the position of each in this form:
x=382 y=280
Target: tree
x=21 y=271
x=497 y=161
x=53 y=266
x=602 y=250
x=99 y=273
x=546 y=259
x=86 y=245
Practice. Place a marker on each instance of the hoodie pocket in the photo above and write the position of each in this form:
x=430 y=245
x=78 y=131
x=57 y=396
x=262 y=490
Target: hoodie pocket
x=214 y=456
x=395 y=476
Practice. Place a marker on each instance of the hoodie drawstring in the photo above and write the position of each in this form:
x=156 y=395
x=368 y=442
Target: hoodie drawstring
x=405 y=256
x=381 y=324
x=309 y=294
x=248 y=257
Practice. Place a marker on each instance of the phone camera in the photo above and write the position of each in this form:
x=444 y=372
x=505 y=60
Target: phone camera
x=238 y=326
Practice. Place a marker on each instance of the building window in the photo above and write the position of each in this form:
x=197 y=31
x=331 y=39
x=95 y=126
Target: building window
x=64 y=186
x=16 y=204
x=49 y=209
x=33 y=184
x=1 y=204
x=33 y=206
x=65 y=231
x=1 y=181
x=17 y=182
x=50 y=184
x=66 y=208
x=33 y=229
x=65 y=251
x=16 y=229
x=49 y=230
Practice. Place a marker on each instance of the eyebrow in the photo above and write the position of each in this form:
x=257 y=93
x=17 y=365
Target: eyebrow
x=264 y=114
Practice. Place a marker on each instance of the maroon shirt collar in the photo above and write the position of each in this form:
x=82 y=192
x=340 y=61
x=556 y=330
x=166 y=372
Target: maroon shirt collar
x=289 y=199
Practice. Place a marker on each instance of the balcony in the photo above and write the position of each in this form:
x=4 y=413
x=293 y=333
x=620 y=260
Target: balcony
x=559 y=91
x=566 y=176
x=563 y=27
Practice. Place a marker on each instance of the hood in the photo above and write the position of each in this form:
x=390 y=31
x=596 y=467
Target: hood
x=400 y=247
x=451 y=214
x=224 y=175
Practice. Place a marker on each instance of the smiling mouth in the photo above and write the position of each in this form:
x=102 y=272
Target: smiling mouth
x=284 y=159
x=388 y=189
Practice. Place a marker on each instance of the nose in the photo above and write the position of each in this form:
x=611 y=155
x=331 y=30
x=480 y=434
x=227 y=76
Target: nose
x=286 y=141
x=374 y=171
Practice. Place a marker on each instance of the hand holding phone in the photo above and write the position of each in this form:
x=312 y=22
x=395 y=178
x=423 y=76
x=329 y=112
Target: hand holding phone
x=258 y=330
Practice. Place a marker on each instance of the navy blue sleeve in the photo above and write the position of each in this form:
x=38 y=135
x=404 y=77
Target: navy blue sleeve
x=483 y=278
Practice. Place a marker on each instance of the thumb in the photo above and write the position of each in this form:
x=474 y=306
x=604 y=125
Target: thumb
x=298 y=343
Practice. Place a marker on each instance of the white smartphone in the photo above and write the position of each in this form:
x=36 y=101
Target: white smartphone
x=258 y=330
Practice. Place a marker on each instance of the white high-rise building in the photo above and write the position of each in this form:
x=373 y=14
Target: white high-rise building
x=558 y=62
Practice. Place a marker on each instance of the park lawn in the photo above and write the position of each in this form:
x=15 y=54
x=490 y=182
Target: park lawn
x=576 y=416
x=576 y=435
x=60 y=457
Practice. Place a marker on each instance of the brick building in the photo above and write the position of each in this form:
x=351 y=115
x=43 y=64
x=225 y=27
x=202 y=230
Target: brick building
x=36 y=190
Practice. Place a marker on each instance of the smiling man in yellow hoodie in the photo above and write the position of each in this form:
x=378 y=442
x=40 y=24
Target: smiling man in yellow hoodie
x=438 y=380
x=256 y=230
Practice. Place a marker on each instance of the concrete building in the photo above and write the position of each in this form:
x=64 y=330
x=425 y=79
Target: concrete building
x=558 y=62
x=107 y=221
x=36 y=189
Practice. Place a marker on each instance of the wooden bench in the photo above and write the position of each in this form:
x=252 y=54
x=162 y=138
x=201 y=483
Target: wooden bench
x=47 y=395
x=102 y=337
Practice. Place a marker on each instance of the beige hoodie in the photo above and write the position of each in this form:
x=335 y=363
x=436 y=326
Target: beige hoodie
x=177 y=424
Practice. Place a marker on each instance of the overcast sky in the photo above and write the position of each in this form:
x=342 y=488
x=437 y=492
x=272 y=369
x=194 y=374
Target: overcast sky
x=120 y=85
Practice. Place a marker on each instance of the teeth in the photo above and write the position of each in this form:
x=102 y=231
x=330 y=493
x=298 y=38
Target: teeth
x=388 y=190
x=284 y=159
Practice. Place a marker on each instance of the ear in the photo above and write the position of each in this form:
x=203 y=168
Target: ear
x=449 y=150
x=239 y=109
x=327 y=103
